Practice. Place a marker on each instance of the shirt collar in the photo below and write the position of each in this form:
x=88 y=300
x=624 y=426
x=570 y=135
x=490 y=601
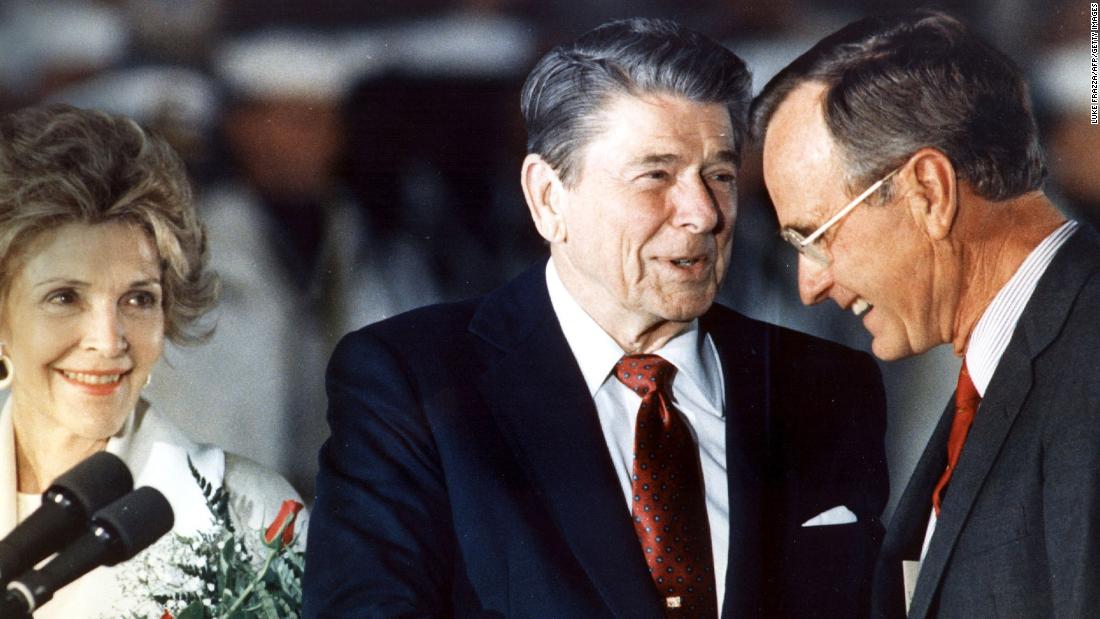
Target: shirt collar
x=994 y=329
x=597 y=352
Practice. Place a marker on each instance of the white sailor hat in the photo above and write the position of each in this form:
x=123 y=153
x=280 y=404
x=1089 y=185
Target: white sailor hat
x=149 y=94
x=280 y=64
x=467 y=44
x=57 y=34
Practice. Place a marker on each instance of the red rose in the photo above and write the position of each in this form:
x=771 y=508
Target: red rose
x=284 y=524
x=167 y=615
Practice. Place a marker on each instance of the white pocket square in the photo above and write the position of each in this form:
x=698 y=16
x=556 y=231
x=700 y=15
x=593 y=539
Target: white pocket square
x=837 y=515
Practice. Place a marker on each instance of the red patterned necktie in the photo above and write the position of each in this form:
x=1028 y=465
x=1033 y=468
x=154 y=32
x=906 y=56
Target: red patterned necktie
x=669 y=503
x=966 y=405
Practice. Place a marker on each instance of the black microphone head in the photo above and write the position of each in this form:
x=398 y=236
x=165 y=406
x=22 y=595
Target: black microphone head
x=66 y=506
x=94 y=483
x=135 y=521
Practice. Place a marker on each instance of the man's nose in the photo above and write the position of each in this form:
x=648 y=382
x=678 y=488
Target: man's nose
x=814 y=281
x=697 y=209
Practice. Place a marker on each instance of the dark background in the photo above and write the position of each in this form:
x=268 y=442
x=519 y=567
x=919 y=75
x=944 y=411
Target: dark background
x=410 y=110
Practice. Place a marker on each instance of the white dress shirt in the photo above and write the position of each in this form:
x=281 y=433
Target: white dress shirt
x=995 y=327
x=698 y=393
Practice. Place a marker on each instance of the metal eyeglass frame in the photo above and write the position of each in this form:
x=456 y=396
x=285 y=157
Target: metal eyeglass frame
x=806 y=244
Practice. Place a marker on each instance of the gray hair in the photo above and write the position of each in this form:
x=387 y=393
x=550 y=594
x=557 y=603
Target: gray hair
x=918 y=79
x=570 y=86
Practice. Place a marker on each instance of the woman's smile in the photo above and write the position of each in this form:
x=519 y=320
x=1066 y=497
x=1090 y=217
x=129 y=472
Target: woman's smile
x=83 y=325
x=97 y=383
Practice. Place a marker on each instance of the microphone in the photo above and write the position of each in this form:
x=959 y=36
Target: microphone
x=116 y=533
x=66 y=504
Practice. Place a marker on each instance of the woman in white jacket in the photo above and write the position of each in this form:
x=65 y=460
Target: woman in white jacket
x=102 y=258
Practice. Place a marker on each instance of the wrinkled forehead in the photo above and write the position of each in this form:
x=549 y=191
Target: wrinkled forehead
x=803 y=165
x=661 y=120
x=608 y=107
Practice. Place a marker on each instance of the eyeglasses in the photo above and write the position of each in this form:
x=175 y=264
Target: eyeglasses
x=808 y=245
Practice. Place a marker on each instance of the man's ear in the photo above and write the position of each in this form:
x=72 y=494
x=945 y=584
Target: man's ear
x=935 y=202
x=544 y=193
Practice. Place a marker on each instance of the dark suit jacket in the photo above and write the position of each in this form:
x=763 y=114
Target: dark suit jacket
x=1019 y=534
x=467 y=474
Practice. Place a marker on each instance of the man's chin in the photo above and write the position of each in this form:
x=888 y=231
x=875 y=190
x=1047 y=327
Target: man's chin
x=888 y=349
x=687 y=309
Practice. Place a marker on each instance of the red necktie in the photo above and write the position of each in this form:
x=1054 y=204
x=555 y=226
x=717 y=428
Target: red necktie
x=669 y=503
x=966 y=404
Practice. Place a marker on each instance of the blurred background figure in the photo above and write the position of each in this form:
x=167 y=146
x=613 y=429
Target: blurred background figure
x=402 y=117
x=50 y=45
x=1072 y=140
x=300 y=262
x=178 y=102
x=435 y=137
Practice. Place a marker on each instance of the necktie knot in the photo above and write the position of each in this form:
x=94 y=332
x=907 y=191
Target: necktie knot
x=966 y=394
x=644 y=374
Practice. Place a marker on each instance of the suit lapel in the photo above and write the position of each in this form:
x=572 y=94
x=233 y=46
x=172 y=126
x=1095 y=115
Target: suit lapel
x=992 y=422
x=742 y=348
x=535 y=389
x=1041 y=321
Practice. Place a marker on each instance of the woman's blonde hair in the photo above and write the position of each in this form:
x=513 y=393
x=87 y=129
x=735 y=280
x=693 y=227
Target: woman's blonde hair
x=60 y=165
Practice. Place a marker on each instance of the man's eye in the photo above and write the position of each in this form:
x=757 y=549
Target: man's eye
x=725 y=178
x=657 y=175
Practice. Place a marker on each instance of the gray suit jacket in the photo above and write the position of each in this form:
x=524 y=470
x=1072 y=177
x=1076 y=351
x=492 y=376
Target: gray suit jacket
x=1019 y=533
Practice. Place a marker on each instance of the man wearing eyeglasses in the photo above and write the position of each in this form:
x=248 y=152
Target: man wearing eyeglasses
x=903 y=160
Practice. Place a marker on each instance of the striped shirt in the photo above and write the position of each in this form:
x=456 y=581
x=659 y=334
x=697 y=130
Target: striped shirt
x=990 y=339
x=998 y=322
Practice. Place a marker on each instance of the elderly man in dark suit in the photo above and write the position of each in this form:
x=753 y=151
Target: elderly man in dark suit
x=595 y=439
x=926 y=132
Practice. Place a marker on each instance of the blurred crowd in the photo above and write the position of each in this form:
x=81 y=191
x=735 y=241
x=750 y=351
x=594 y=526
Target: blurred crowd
x=357 y=159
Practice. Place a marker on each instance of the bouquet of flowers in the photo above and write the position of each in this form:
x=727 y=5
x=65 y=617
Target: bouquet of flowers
x=230 y=575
